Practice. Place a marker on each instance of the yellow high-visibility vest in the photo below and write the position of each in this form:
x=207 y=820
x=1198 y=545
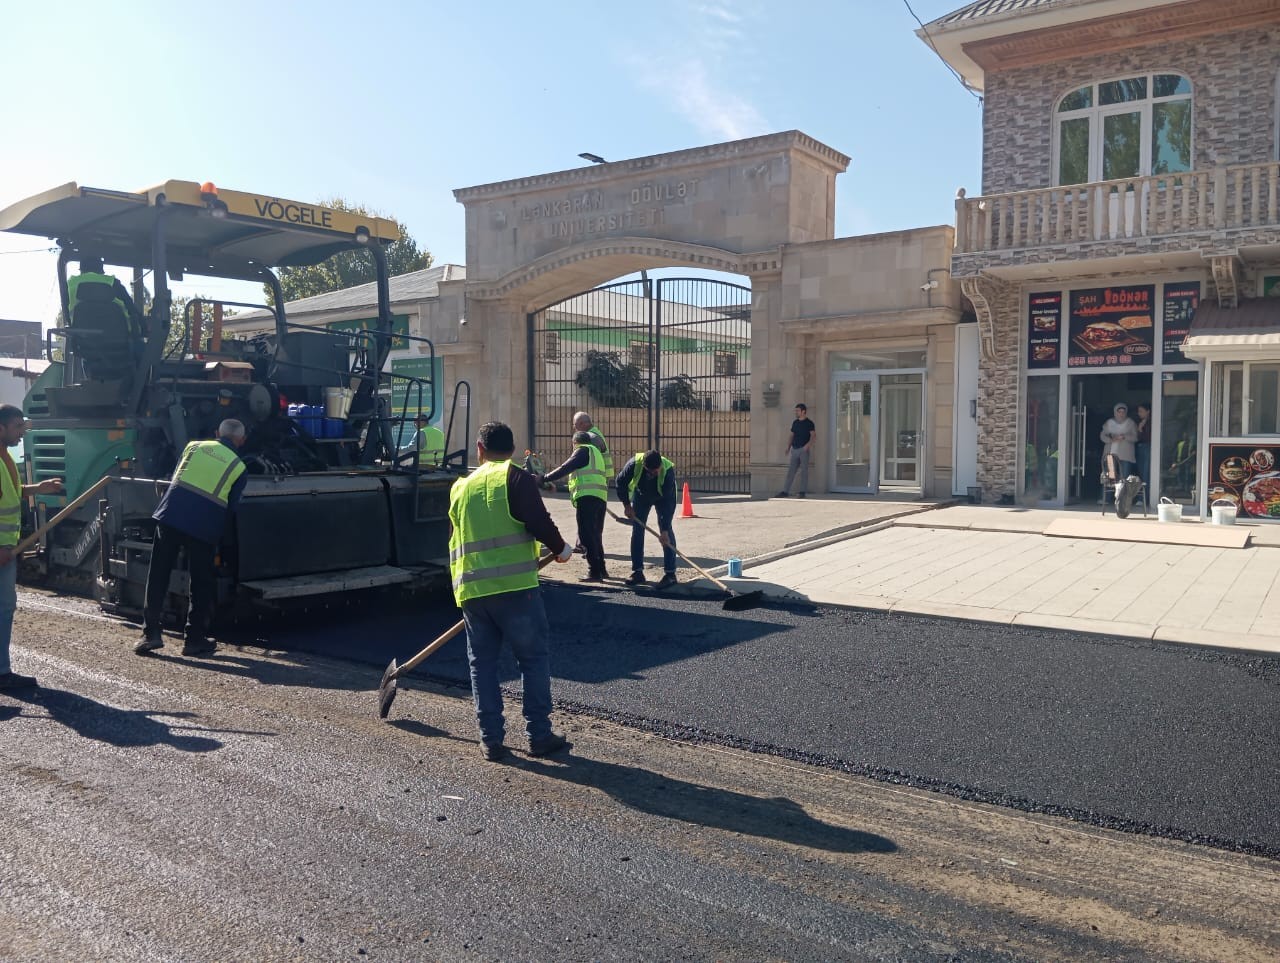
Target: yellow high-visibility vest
x=490 y=553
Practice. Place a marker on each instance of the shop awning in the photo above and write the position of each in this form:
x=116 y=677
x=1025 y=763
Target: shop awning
x=1251 y=328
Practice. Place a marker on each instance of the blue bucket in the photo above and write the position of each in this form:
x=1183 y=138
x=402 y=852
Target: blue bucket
x=735 y=568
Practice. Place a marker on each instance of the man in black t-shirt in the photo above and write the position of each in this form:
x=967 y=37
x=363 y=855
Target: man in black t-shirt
x=802 y=432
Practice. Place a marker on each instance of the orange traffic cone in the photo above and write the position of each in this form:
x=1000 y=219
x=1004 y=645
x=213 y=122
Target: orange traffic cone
x=686 y=510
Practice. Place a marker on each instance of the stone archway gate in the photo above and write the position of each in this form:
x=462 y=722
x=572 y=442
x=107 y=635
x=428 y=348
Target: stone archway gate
x=732 y=208
x=659 y=363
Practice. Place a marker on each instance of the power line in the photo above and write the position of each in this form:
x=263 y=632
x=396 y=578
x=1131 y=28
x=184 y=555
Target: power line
x=34 y=250
x=929 y=40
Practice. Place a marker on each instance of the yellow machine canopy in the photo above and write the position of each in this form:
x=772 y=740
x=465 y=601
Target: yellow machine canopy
x=206 y=231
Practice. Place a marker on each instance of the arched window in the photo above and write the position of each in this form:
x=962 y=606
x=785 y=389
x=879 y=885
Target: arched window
x=1124 y=128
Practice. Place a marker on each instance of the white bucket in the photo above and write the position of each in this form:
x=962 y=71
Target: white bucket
x=1168 y=510
x=1222 y=512
x=337 y=402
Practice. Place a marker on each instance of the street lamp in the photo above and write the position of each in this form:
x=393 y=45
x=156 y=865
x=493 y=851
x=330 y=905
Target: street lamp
x=594 y=158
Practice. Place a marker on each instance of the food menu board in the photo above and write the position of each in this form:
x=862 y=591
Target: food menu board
x=1110 y=327
x=1180 y=301
x=1247 y=476
x=1044 y=329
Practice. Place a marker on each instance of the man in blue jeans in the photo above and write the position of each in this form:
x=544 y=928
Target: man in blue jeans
x=12 y=427
x=648 y=481
x=498 y=520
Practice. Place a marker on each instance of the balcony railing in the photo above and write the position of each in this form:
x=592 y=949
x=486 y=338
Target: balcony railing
x=1226 y=198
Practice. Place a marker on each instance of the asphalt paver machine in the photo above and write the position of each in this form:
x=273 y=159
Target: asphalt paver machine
x=333 y=505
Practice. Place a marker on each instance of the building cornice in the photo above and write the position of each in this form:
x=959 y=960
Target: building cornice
x=1043 y=33
x=1181 y=21
x=864 y=320
x=598 y=174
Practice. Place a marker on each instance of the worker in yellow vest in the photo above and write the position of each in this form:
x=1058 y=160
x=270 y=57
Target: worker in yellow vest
x=648 y=482
x=429 y=440
x=12 y=427
x=92 y=284
x=498 y=519
x=204 y=490
x=582 y=421
x=589 y=492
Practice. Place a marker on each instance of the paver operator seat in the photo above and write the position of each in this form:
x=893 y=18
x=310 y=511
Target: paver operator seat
x=104 y=334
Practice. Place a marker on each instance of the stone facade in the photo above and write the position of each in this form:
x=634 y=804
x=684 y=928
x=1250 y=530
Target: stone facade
x=865 y=293
x=1233 y=77
x=1234 y=90
x=737 y=198
x=998 y=399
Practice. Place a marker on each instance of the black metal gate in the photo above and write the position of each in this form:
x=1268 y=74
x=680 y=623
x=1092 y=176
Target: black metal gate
x=658 y=363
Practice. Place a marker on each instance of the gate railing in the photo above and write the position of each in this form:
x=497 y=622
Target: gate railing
x=659 y=363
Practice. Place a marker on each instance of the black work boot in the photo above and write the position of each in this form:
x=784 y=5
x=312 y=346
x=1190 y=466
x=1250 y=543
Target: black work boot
x=199 y=647
x=545 y=747
x=151 y=640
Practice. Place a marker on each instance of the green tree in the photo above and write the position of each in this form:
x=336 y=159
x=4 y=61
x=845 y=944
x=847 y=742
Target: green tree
x=612 y=384
x=348 y=268
x=679 y=392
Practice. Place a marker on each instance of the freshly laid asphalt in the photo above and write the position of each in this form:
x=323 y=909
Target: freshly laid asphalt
x=1143 y=736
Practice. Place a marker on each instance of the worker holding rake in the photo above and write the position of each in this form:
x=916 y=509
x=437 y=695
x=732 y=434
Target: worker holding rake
x=645 y=482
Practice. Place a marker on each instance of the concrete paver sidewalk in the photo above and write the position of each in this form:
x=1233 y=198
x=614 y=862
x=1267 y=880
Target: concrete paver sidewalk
x=983 y=563
x=987 y=565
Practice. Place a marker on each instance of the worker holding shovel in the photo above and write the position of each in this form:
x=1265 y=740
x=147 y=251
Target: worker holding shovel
x=648 y=481
x=13 y=425
x=498 y=519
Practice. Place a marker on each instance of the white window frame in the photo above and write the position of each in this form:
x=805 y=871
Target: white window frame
x=643 y=354
x=1097 y=112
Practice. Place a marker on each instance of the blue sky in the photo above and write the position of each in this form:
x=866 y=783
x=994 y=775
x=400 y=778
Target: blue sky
x=395 y=104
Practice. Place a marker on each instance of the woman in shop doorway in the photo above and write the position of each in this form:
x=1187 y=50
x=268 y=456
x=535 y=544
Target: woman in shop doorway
x=1119 y=434
x=1144 y=443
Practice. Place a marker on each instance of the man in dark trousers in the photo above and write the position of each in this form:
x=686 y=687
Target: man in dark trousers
x=582 y=421
x=205 y=488
x=498 y=519
x=649 y=481
x=798 y=446
x=12 y=427
x=589 y=492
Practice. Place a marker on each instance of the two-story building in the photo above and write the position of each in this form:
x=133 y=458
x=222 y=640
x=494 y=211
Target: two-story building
x=1125 y=247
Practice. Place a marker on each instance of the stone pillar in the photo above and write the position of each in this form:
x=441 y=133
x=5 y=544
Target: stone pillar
x=999 y=410
x=501 y=390
x=778 y=378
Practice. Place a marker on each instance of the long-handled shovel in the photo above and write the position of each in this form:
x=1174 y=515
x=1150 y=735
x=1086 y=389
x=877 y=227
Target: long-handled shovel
x=736 y=602
x=387 y=687
x=35 y=536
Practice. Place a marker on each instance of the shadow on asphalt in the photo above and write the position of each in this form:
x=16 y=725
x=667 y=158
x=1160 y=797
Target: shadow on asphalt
x=415 y=728
x=596 y=636
x=273 y=671
x=124 y=727
x=777 y=818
